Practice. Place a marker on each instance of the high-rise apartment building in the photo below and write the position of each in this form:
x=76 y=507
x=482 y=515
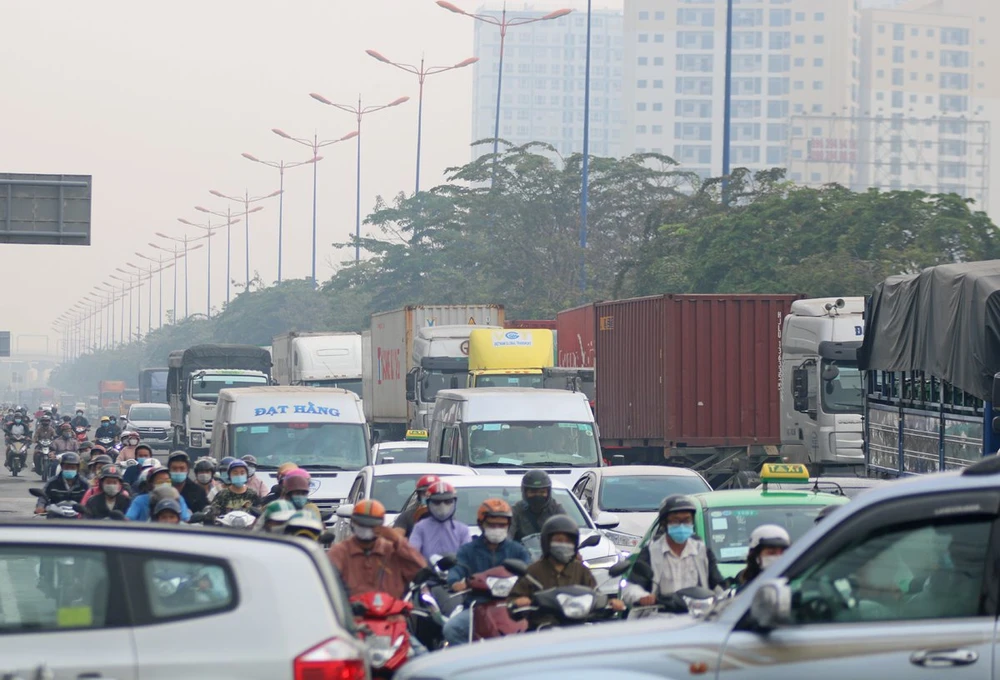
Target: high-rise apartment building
x=544 y=81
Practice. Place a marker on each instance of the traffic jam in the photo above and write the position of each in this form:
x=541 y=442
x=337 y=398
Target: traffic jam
x=663 y=487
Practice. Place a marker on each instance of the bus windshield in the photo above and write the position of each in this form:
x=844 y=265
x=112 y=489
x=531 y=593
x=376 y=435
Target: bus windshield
x=532 y=443
x=207 y=387
x=335 y=446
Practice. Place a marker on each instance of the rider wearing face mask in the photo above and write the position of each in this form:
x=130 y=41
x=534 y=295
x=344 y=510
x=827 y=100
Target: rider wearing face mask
x=536 y=505
x=237 y=495
x=68 y=486
x=557 y=567
x=768 y=542
x=440 y=533
x=255 y=482
x=678 y=559
x=204 y=475
x=375 y=558
x=179 y=464
x=159 y=487
x=295 y=489
x=110 y=495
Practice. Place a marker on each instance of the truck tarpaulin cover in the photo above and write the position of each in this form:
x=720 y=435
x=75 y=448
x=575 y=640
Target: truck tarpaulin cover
x=234 y=357
x=944 y=321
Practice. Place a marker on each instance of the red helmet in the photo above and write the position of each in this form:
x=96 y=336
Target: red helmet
x=441 y=491
x=426 y=481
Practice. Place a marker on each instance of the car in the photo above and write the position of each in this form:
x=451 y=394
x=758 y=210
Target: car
x=127 y=600
x=152 y=422
x=633 y=493
x=472 y=491
x=898 y=583
x=849 y=486
x=408 y=451
x=390 y=485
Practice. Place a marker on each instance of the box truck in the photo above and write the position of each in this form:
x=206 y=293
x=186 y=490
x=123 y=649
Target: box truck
x=318 y=359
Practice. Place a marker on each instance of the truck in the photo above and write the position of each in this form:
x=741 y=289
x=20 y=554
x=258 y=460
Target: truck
x=393 y=348
x=509 y=357
x=686 y=380
x=821 y=403
x=110 y=392
x=153 y=385
x=195 y=376
x=318 y=359
x=931 y=365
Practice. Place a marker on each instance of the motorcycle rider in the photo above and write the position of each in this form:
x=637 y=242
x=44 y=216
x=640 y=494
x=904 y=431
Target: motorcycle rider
x=536 y=505
x=222 y=473
x=295 y=490
x=80 y=420
x=272 y=519
x=179 y=464
x=95 y=466
x=277 y=492
x=677 y=559
x=68 y=486
x=17 y=428
x=254 y=482
x=375 y=558
x=84 y=449
x=107 y=429
x=167 y=511
x=482 y=553
x=110 y=495
x=558 y=566
x=157 y=479
x=407 y=519
x=768 y=542
x=440 y=533
x=45 y=429
x=142 y=453
x=236 y=496
x=130 y=440
x=204 y=475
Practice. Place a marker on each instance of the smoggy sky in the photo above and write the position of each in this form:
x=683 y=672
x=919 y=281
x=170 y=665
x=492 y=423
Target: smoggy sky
x=158 y=100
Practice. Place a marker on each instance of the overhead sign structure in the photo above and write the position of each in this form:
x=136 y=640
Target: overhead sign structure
x=45 y=209
x=4 y=343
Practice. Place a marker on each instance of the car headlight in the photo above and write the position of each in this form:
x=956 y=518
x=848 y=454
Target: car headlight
x=500 y=587
x=622 y=540
x=602 y=562
x=575 y=606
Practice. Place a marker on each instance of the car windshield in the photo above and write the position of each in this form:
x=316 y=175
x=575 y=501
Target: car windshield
x=436 y=380
x=471 y=497
x=334 y=445
x=207 y=388
x=149 y=413
x=400 y=454
x=728 y=529
x=393 y=490
x=644 y=494
x=843 y=393
x=531 y=443
x=532 y=380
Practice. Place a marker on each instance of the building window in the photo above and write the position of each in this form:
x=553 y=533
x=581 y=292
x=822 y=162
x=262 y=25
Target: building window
x=777 y=155
x=748 y=40
x=644 y=37
x=695 y=40
x=777 y=86
x=897 y=55
x=694 y=62
x=780 y=17
x=953 y=103
x=777 y=109
x=746 y=108
x=746 y=86
x=693 y=85
x=818 y=39
x=658 y=38
x=779 y=40
x=897 y=76
x=954 y=36
x=800 y=40
x=818 y=16
x=696 y=17
x=659 y=16
x=692 y=108
x=746 y=154
x=643 y=16
x=798 y=85
x=881 y=28
x=693 y=131
x=800 y=16
x=748 y=17
x=640 y=106
x=817 y=84
x=657 y=106
x=779 y=63
x=641 y=84
x=657 y=129
x=777 y=132
x=640 y=129
x=818 y=62
x=657 y=61
x=745 y=132
x=954 y=58
x=643 y=61
x=897 y=99
x=747 y=63
x=880 y=51
x=657 y=84
x=898 y=32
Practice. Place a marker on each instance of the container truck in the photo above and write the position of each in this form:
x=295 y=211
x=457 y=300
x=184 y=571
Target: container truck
x=153 y=385
x=194 y=379
x=821 y=400
x=688 y=380
x=931 y=364
x=509 y=357
x=390 y=361
x=318 y=359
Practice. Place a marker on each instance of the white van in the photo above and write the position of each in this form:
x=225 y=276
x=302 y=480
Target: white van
x=321 y=429
x=499 y=430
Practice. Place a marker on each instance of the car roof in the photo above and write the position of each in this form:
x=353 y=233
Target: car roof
x=512 y=481
x=536 y=394
x=440 y=469
x=758 y=497
x=405 y=444
x=148 y=403
x=646 y=471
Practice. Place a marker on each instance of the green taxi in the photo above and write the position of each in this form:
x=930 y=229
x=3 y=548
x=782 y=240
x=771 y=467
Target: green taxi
x=726 y=518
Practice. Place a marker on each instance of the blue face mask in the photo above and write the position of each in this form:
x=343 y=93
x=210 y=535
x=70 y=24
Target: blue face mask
x=299 y=500
x=238 y=480
x=680 y=533
x=178 y=477
x=69 y=474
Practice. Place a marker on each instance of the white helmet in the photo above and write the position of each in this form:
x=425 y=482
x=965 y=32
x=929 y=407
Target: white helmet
x=769 y=536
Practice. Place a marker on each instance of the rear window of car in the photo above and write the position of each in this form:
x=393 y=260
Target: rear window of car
x=407 y=454
x=644 y=494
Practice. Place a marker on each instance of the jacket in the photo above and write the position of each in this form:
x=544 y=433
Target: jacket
x=388 y=567
x=696 y=559
x=60 y=445
x=58 y=489
x=526 y=523
x=258 y=485
x=227 y=500
x=139 y=510
x=97 y=508
x=45 y=433
x=106 y=431
x=475 y=557
x=194 y=495
x=546 y=572
x=80 y=421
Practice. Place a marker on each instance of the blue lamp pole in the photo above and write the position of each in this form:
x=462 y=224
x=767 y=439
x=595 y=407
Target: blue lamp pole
x=246 y=199
x=727 y=106
x=584 y=188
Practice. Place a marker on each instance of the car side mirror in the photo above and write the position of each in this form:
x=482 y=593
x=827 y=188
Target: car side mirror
x=592 y=541
x=607 y=520
x=772 y=604
x=345 y=510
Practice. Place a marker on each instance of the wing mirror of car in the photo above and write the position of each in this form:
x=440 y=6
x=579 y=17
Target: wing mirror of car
x=619 y=568
x=607 y=520
x=772 y=604
x=592 y=541
x=516 y=567
x=345 y=510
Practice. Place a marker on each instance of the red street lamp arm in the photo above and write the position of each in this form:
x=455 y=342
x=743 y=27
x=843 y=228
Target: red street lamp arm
x=434 y=70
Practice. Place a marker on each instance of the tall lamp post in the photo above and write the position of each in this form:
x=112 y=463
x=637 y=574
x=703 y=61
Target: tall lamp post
x=503 y=23
x=585 y=174
x=281 y=167
x=246 y=199
x=359 y=111
x=112 y=291
x=176 y=255
x=161 y=266
x=136 y=286
x=186 y=241
x=125 y=282
x=209 y=233
x=727 y=114
x=230 y=220
x=421 y=72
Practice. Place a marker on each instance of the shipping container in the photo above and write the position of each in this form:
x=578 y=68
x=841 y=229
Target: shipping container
x=530 y=324
x=575 y=337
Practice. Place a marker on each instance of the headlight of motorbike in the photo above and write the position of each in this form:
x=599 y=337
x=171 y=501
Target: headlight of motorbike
x=700 y=607
x=622 y=540
x=500 y=587
x=602 y=562
x=575 y=606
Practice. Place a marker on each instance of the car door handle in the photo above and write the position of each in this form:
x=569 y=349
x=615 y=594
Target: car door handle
x=943 y=658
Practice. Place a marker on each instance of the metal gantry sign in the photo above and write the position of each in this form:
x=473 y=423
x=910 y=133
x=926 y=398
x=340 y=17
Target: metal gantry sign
x=45 y=209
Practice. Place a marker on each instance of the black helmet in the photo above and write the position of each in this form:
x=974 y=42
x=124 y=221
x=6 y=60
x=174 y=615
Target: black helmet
x=676 y=503
x=101 y=458
x=536 y=479
x=204 y=465
x=558 y=524
x=70 y=458
x=179 y=457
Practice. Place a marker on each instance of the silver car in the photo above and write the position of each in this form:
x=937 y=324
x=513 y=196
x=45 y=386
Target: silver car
x=152 y=422
x=124 y=601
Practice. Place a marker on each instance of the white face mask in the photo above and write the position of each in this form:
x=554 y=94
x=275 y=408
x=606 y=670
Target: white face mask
x=363 y=533
x=766 y=561
x=204 y=477
x=112 y=489
x=495 y=536
x=442 y=512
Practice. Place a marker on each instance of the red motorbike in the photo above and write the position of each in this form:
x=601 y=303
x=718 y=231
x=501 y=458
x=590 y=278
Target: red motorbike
x=81 y=433
x=382 y=622
x=490 y=616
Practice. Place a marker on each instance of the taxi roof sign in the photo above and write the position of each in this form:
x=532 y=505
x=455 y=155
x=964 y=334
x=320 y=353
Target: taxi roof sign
x=788 y=473
x=416 y=435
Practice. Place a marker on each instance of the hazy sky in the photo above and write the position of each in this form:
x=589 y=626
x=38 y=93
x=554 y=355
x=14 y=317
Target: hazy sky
x=158 y=100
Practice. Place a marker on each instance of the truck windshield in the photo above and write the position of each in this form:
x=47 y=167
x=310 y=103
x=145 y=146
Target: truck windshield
x=339 y=446
x=207 y=388
x=436 y=380
x=142 y=413
x=532 y=380
x=843 y=393
x=532 y=443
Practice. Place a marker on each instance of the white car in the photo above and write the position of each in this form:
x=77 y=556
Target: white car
x=472 y=491
x=408 y=451
x=152 y=422
x=631 y=495
x=391 y=485
x=130 y=600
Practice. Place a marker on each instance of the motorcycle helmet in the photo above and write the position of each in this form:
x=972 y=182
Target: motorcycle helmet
x=536 y=479
x=558 y=524
x=251 y=462
x=166 y=504
x=425 y=482
x=441 y=491
x=70 y=458
x=368 y=513
x=676 y=503
x=304 y=525
x=105 y=419
x=493 y=507
x=131 y=437
x=275 y=514
x=769 y=536
x=296 y=483
x=110 y=472
x=179 y=457
x=204 y=464
x=144 y=447
x=284 y=469
x=100 y=459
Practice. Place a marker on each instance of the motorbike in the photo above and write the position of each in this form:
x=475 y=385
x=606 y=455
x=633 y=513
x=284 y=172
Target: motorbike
x=565 y=605
x=694 y=601
x=432 y=602
x=490 y=616
x=383 y=625
x=43 y=458
x=80 y=432
x=17 y=453
x=107 y=442
x=234 y=519
x=59 y=508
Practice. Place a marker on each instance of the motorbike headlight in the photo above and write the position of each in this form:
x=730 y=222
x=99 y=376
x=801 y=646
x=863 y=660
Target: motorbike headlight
x=698 y=608
x=602 y=562
x=622 y=540
x=500 y=586
x=575 y=606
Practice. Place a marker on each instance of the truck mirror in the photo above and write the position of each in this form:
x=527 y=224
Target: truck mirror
x=830 y=372
x=800 y=389
x=454 y=382
x=996 y=392
x=996 y=424
x=411 y=385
